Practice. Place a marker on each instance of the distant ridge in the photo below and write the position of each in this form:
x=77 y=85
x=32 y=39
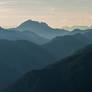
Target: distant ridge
x=43 y=30
x=77 y=27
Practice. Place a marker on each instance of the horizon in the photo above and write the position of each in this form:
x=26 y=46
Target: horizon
x=70 y=27
x=63 y=27
x=57 y=13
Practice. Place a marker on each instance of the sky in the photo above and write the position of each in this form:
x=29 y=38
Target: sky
x=57 y=13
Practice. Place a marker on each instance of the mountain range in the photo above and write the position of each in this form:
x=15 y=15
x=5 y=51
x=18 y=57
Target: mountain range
x=19 y=57
x=77 y=27
x=41 y=29
x=37 y=32
x=73 y=73
x=64 y=46
x=37 y=58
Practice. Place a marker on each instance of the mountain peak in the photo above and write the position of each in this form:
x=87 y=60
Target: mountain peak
x=32 y=21
x=30 y=24
x=28 y=21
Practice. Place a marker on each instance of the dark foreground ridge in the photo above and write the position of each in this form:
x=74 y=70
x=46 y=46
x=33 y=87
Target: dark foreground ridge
x=72 y=74
x=19 y=57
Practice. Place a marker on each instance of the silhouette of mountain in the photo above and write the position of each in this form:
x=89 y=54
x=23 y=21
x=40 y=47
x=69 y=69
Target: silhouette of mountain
x=33 y=25
x=10 y=34
x=20 y=52
x=41 y=29
x=18 y=57
x=66 y=45
x=76 y=31
x=73 y=74
x=77 y=27
x=38 y=30
x=2 y=29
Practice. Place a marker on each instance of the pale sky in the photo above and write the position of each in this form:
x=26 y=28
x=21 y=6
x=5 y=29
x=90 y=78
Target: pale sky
x=56 y=13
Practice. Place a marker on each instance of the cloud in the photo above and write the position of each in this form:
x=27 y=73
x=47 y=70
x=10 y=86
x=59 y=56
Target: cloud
x=4 y=2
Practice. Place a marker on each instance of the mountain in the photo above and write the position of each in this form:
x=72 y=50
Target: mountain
x=41 y=29
x=77 y=27
x=37 y=32
x=73 y=74
x=11 y=35
x=18 y=57
x=76 y=31
x=8 y=74
x=2 y=29
x=88 y=34
x=66 y=45
x=44 y=30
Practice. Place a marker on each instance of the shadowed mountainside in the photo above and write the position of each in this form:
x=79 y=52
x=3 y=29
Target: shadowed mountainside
x=18 y=57
x=72 y=74
x=66 y=45
x=13 y=35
